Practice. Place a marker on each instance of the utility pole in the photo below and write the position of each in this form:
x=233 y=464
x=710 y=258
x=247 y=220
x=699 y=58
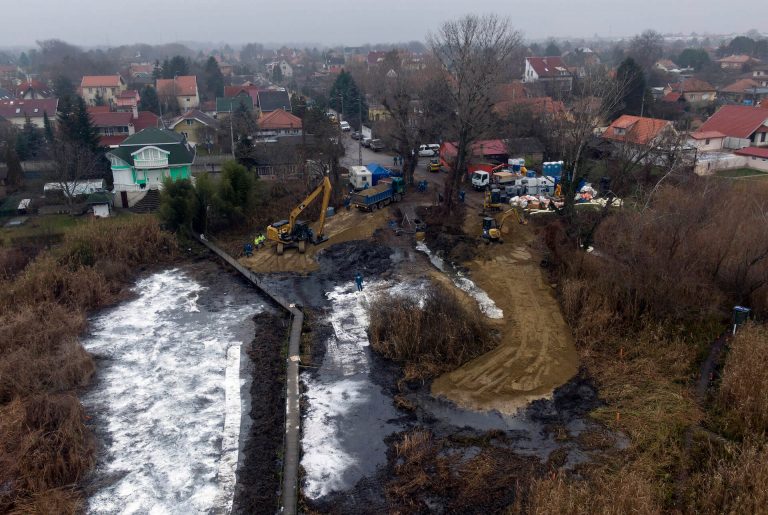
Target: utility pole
x=231 y=129
x=360 y=139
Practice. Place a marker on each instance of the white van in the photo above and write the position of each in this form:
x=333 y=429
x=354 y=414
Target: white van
x=430 y=150
x=345 y=126
x=360 y=177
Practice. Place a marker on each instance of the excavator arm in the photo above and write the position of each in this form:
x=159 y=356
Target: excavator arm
x=325 y=188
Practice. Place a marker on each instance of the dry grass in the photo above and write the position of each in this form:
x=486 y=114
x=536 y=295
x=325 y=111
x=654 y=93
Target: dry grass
x=743 y=394
x=606 y=493
x=736 y=483
x=428 y=339
x=45 y=447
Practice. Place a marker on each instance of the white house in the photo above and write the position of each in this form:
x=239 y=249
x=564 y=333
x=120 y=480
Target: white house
x=706 y=141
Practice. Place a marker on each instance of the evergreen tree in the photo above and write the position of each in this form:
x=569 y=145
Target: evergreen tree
x=157 y=70
x=236 y=192
x=149 y=100
x=99 y=99
x=76 y=126
x=176 y=66
x=345 y=88
x=32 y=137
x=15 y=177
x=214 y=80
x=47 y=128
x=277 y=74
x=177 y=203
x=63 y=87
x=630 y=75
x=24 y=60
x=695 y=58
x=552 y=49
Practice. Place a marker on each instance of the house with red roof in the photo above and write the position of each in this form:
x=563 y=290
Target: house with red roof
x=638 y=130
x=279 y=123
x=182 y=90
x=114 y=127
x=707 y=141
x=97 y=89
x=691 y=90
x=17 y=111
x=756 y=158
x=743 y=126
x=551 y=72
x=743 y=89
x=737 y=62
x=128 y=100
x=33 y=90
x=484 y=154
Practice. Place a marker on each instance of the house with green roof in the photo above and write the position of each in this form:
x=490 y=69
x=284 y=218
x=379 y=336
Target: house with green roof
x=145 y=159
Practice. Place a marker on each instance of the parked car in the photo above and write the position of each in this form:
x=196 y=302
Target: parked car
x=434 y=165
x=376 y=145
x=430 y=150
x=367 y=142
x=356 y=135
x=345 y=126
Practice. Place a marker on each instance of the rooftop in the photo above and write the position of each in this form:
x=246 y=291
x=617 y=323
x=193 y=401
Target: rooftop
x=98 y=81
x=636 y=129
x=736 y=121
x=548 y=66
x=279 y=119
x=181 y=86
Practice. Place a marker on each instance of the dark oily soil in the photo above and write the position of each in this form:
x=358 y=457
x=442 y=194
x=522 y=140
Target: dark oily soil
x=259 y=473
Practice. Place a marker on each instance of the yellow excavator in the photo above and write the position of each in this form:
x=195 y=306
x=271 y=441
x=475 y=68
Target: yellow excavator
x=492 y=228
x=296 y=233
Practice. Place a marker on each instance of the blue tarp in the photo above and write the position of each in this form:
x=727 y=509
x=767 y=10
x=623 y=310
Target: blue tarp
x=378 y=172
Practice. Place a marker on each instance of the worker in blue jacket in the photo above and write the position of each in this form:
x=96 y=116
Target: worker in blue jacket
x=359 y=281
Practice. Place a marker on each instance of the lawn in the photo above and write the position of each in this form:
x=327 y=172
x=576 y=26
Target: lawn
x=741 y=173
x=37 y=226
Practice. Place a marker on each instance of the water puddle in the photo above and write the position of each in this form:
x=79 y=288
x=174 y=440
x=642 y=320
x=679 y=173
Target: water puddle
x=486 y=304
x=166 y=402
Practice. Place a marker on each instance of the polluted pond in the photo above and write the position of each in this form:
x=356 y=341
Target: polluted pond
x=353 y=417
x=170 y=391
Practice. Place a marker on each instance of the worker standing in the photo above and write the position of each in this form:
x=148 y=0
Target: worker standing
x=359 y=281
x=259 y=241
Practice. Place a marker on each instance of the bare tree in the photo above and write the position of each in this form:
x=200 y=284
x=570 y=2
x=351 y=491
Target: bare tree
x=473 y=53
x=73 y=165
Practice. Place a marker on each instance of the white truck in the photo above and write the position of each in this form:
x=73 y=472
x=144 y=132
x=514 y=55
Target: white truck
x=482 y=179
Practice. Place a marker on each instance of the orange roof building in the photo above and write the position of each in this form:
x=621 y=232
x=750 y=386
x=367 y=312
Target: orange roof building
x=183 y=88
x=97 y=89
x=279 y=123
x=636 y=129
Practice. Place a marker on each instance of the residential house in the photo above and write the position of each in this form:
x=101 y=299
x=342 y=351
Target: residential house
x=279 y=123
x=115 y=127
x=482 y=154
x=182 y=88
x=377 y=112
x=17 y=111
x=272 y=99
x=737 y=62
x=33 y=90
x=334 y=64
x=743 y=126
x=706 y=141
x=375 y=58
x=227 y=105
x=638 y=130
x=227 y=69
x=285 y=68
x=666 y=66
x=104 y=89
x=141 y=70
x=8 y=71
x=745 y=91
x=756 y=158
x=197 y=127
x=145 y=159
x=550 y=72
x=128 y=100
x=691 y=90
x=760 y=75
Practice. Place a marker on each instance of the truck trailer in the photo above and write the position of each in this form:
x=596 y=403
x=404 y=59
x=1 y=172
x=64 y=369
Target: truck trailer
x=387 y=191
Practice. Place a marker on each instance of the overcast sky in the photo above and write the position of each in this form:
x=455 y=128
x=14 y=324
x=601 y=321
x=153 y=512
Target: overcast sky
x=332 y=22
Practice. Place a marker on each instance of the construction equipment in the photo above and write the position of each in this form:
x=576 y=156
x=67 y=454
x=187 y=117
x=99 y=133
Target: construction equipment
x=492 y=200
x=296 y=233
x=388 y=190
x=492 y=228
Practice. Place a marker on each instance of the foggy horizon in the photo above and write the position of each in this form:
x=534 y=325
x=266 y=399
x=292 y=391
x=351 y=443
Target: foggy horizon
x=343 y=22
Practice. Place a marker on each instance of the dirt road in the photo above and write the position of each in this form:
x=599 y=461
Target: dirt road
x=536 y=353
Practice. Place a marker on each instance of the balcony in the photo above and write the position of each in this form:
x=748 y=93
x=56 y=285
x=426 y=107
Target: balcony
x=144 y=164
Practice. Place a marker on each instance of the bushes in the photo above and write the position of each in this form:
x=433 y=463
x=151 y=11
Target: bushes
x=45 y=447
x=429 y=337
x=743 y=394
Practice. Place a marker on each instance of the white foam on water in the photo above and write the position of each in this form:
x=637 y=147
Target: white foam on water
x=166 y=399
x=486 y=304
x=347 y=415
